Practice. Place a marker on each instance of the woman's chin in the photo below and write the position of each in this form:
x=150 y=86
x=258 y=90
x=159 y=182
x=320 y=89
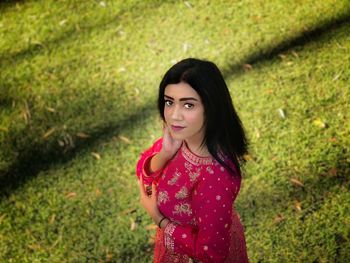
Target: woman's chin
x=177 y=136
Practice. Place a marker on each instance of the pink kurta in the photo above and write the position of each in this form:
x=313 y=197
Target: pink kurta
x=197 y=195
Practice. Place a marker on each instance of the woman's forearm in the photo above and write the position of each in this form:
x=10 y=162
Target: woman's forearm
x=157 y=162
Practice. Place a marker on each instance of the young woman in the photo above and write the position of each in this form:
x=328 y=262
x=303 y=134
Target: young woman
x=194 y=168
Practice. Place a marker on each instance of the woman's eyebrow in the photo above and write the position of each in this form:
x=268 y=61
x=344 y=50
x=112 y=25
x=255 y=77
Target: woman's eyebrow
x=182 y=99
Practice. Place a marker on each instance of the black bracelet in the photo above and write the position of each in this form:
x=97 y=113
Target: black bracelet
x=161 y=221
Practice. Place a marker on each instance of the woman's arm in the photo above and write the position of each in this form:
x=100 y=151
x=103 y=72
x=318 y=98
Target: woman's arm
x=157 y=162
x=142 y=167
x=155 y=158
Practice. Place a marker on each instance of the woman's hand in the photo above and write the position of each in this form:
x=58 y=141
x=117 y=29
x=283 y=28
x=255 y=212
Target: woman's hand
x=170 y=145
x=149 y=202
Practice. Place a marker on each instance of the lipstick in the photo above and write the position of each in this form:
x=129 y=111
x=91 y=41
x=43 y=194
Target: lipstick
x=176 y=128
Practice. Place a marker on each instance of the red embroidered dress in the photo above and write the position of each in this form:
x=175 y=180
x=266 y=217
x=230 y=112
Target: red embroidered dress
x=197 y=195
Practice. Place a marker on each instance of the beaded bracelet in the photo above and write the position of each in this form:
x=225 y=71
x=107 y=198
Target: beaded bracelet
x=161 y=221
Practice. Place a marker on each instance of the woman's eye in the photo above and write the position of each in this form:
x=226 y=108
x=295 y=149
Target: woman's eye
x=189 y=105
x=168 y=102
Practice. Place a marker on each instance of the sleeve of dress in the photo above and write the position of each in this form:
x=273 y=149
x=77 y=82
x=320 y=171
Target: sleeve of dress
x=143 y=163
x=212 y=207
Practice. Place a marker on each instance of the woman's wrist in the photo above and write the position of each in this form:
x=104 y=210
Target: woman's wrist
x=163 y=222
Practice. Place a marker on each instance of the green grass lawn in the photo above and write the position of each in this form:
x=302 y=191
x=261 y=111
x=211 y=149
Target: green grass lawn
x=78 y=87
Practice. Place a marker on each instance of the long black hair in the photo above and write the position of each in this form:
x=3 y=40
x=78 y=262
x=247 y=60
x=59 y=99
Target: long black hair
x=224 y=133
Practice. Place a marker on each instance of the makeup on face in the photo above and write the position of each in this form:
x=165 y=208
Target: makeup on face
x=184 y=112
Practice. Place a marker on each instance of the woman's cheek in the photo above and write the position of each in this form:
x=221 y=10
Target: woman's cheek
x=195 y=117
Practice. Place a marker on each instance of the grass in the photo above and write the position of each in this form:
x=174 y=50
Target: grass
x=77 y=96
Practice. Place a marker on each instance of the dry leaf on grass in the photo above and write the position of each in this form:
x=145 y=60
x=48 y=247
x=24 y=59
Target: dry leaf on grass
x=98 y=192
x=50 y=109
x=124 y=139
x=82 y=135
x=295 y=54
x=109 y=257
x=296 y=182
x=71 y=195
x=247 y=157
x=332 y=139
x=332 y=171
x=297 y=205
x=48 y=133
x=34 y=247
x=132 y=224
x=279 y=218
x=247 y=67
x=96 y=155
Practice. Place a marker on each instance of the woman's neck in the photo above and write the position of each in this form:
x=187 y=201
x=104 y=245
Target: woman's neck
x=197 y=148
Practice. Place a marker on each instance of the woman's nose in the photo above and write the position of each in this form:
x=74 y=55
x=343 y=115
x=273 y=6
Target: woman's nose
x=176 y=113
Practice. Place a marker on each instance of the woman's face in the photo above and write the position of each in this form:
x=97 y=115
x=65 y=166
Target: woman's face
x=184 y=112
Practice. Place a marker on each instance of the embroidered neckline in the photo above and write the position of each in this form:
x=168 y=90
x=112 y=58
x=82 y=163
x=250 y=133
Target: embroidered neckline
x=193 y=158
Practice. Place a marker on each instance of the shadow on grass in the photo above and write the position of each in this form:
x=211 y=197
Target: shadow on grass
x=67 y=36
x=4 y=4
x=304 y=37
x=336 y=172
x=71 y=34
x=315 y=189
x=35 y=160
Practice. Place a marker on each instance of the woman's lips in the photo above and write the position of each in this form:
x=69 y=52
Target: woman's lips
x=176 y=128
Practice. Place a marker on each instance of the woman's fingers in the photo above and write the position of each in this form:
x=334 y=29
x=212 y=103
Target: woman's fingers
x=142 y=187
x=154 y=189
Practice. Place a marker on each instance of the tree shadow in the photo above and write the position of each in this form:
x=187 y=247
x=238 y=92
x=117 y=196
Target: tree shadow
x=66 y=36
x=317 y=187
x=9 y=3
x=305 y=37
x=313 y=191
x=70 y=34
x=35 y=160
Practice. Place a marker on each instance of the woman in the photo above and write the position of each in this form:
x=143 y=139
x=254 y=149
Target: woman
x=194 y=168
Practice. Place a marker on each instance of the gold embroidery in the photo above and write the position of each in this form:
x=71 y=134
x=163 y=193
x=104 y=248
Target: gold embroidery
x=194 y=159
x=184 y=208
x=175 y=177
x=182 y=194
x=192 y=174
x=163 y=197
x=195 y=175
x=188 y=166
x=168 y=234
